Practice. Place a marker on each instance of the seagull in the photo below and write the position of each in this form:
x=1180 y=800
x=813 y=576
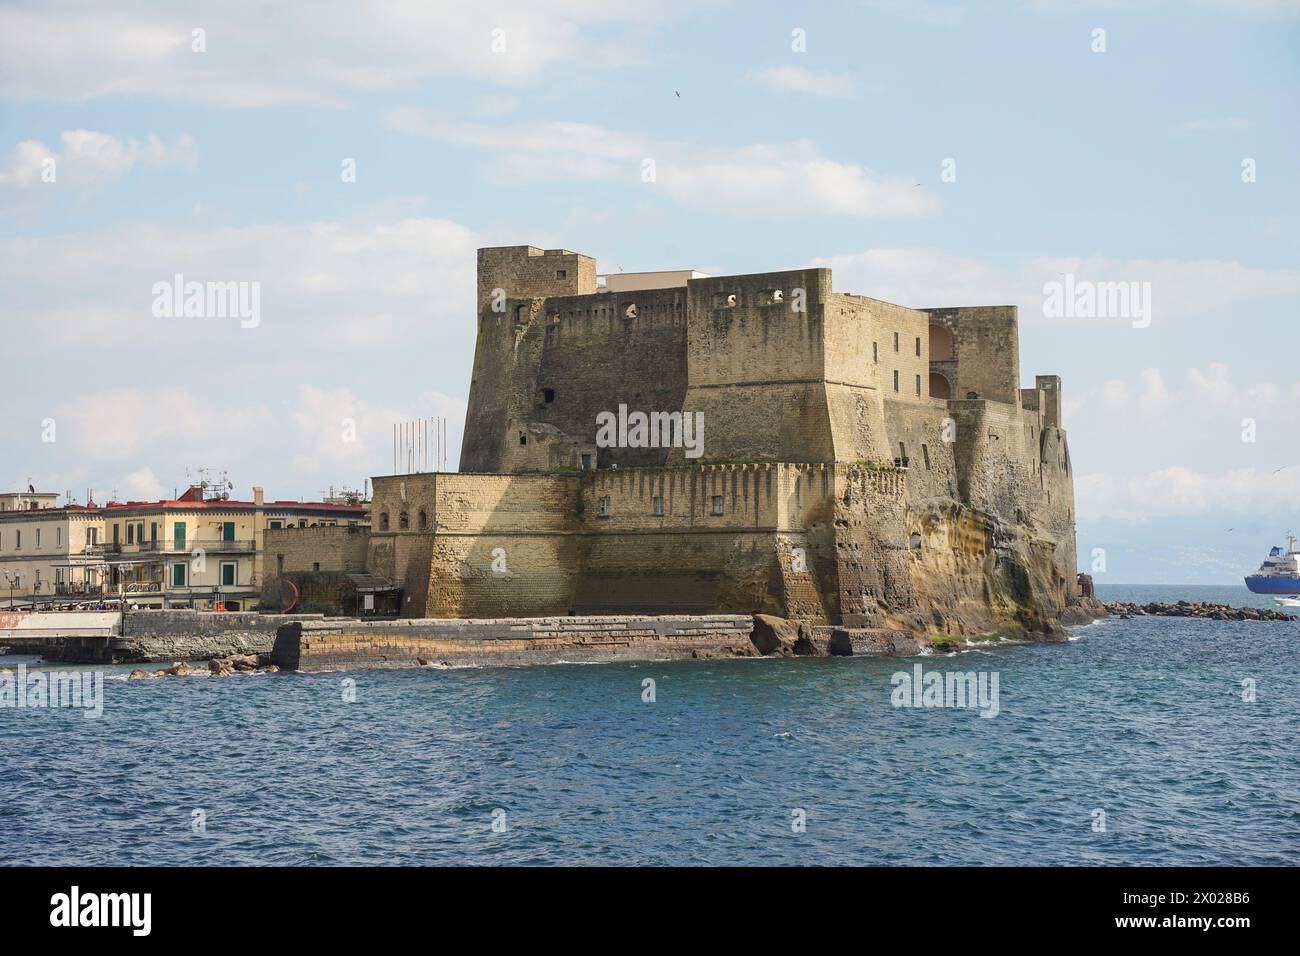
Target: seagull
x=679 y=95
x=1283 y=468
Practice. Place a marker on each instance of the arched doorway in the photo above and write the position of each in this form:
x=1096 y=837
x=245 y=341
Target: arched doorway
x=940 y=343
x=940 y=387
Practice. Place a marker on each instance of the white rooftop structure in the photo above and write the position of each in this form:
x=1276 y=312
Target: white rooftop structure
x=635 y=281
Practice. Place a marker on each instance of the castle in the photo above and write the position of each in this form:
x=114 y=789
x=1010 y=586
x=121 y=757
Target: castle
x=858 y=463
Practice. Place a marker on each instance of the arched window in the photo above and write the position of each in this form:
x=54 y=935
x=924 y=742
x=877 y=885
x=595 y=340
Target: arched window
x=423 y=519
x=403 y=521
x=383 y=521
x=940 y=387
x=940 y=343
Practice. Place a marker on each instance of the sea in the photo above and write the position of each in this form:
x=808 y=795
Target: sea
x=1147 y=741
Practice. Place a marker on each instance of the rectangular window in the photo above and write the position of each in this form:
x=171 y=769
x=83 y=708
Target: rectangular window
x=895 y=379
x=918 y=345
x=603 y=510
x=38 y=539
x=58 y=537
x=18 y=540
x=153 y=531
x=178 y=575
x=657 y=505
x=115 y=532
x=717 y=504
x=130 y=534
x=918 y=385
x=228 y=573
x=875 y=351
x=277 y=524
x=227 y=531
x=895 y=341
x=586 y=462
x=178 y=536
x=561 y=273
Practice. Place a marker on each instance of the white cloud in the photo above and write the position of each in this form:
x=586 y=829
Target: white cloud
x=795 y=79
x=90 y=157
x=791 y=179
x=920 y=277
x=127 y=423
x=928 y=277
x=321 y=54
x=344 y=305
x=759 y=180
x=321 y=279
x=334 y=431
x=1153 y=402
x=1185 y=493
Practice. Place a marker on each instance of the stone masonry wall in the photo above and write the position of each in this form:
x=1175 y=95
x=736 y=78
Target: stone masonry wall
x=338 y=643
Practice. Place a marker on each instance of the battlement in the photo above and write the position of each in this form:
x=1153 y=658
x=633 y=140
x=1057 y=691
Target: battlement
x=528 y=272
x=781 y=366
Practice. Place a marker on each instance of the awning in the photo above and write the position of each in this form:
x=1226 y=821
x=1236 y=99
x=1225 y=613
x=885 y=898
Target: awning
x=371 y=583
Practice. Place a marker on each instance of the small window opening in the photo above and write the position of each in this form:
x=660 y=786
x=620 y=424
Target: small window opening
x=603 y=509
x=523 y=439
x=657 y=506
x=717 y=504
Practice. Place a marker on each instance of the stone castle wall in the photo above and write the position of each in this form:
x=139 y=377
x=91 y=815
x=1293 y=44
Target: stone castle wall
x=808 y=397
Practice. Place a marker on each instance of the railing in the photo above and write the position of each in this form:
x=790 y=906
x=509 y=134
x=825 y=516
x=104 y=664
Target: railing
x=179 y=547
x=75 y=588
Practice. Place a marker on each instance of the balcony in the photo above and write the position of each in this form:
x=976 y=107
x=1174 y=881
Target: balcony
x=78 y=589
x=165 y=546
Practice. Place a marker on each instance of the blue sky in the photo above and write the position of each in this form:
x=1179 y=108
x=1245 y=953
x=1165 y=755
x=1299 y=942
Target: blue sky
x=224 y=165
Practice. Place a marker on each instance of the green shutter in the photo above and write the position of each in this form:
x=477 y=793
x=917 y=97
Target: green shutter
x=178 y=574
x=178 y=535
x=228 y=574
x=227 y=531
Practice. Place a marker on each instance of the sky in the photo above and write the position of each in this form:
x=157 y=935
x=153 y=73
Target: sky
x=350 y=158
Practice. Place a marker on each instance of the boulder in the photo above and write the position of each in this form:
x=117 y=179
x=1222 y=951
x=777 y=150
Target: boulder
x=774 y=635
x=179 y=669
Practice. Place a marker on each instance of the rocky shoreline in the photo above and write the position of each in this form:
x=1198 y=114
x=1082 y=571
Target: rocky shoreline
x=217 y=667
x=1201 y=609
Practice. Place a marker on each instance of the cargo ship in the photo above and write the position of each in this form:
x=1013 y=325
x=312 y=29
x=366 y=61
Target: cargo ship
x=1280 y=573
